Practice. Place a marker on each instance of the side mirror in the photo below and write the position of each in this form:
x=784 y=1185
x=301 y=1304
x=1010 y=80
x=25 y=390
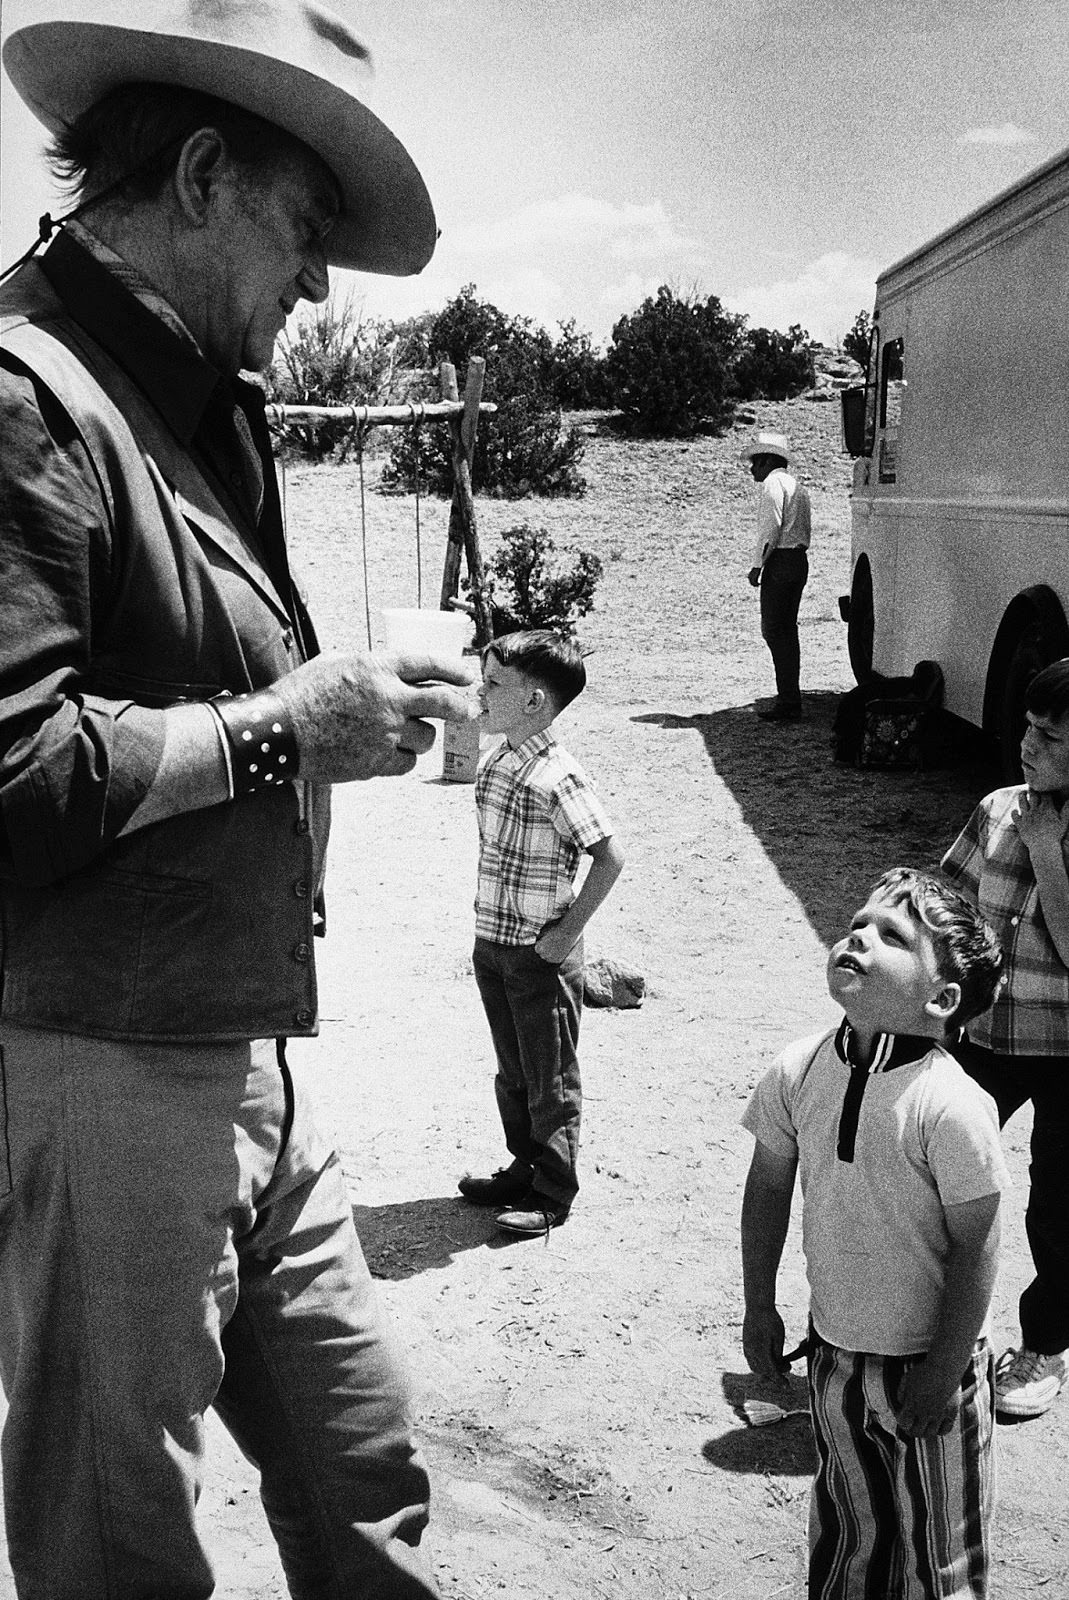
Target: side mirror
x=853 y=419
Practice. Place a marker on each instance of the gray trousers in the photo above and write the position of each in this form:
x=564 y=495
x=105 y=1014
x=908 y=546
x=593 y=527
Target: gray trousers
x=174 y=1234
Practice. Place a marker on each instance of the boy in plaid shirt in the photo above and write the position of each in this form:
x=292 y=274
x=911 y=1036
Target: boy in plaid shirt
x=1011 y=858
x=538 y=815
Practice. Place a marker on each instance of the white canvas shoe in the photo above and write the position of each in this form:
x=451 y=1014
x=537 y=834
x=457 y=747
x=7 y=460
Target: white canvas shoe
x=1027 y=1384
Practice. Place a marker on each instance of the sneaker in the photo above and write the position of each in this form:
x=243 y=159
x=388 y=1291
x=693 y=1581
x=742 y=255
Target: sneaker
x=1027 y=1384
x=507 y=1185
x=533 y=1216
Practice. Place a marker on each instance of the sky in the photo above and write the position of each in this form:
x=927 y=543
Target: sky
x=580 y=153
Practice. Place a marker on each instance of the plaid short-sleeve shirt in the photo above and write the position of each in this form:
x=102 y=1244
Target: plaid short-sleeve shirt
x=990 y=862
x=537 y=813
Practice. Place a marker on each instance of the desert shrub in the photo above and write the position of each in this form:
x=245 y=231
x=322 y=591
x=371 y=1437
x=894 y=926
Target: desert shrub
x=669 y=364
x=578 y=374
x=856 y=342
x=337 y=357
x=520 y=450
x=413 y=341
x=529 y=588
x=773 y=365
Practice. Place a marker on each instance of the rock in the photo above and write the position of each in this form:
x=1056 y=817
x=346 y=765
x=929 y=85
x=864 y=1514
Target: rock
x=610 y=983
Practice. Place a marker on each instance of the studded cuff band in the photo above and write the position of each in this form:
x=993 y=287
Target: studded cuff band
x=260 y=739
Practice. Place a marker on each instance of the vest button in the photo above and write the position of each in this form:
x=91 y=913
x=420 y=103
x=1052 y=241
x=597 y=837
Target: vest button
x=303 y=825
x=301 y=952
x=300 y=889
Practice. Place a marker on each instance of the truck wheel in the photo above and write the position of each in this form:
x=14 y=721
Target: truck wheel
x=1032 y=651
x=861 y=627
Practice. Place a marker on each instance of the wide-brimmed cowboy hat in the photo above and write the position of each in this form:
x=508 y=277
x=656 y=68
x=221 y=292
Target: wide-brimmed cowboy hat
x=767 y=444
x=292 y=62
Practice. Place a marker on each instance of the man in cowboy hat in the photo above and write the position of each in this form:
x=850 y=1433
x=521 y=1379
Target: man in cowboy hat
x=780 y=565
x=173 y=1232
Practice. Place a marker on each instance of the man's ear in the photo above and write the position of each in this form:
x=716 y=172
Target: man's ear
x=200 y=164
x=536 y=699
x=942 y=1006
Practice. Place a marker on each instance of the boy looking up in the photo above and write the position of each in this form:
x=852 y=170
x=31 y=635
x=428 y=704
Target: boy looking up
x=538 y=815
x=1010 y=858
x=901 y=1174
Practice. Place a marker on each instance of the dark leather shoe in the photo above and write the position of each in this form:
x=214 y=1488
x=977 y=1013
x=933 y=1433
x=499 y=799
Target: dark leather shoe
x=507 y=1185
x=778 y=712
x=533 y=1215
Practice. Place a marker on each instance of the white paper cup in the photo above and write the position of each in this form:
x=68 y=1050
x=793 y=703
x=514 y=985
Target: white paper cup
x=440 y=633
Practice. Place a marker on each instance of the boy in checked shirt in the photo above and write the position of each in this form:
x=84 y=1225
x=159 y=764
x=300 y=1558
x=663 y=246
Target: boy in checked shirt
x=538 y=815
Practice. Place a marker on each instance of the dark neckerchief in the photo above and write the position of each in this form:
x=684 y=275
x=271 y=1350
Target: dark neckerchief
x=892 y=1050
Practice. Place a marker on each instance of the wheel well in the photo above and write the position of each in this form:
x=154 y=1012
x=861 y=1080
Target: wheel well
x=861 y=596
x=1041 y=605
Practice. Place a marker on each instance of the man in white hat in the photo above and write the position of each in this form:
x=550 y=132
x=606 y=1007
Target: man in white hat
x=174 y=1234
x=780 y=565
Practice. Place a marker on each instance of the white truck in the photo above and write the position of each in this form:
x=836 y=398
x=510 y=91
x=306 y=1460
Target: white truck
x=960 y=499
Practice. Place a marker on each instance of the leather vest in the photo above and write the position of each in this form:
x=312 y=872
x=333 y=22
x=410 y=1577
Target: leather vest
x=198 y=927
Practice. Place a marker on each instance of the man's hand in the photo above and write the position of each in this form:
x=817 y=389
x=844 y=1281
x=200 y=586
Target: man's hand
x=927 y=1401
x=360 y=716
x=1039 y=821
x=762 y=1342
x=753 y=577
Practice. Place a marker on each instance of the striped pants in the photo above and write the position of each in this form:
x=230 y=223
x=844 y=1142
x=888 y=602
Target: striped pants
x=891 y=1517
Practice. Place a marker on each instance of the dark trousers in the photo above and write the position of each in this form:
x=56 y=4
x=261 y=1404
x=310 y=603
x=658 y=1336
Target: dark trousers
x=1010 y=1081
x=534 y=1010
x=782 y=580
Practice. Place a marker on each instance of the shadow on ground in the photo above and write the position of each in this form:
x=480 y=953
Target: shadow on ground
x=784 y=1447
x=823 y=824
x=784 y=1450
x=413 y=1236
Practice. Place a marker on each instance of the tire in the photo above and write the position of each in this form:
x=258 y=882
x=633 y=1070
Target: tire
x=862 y=624
x=1032 y=650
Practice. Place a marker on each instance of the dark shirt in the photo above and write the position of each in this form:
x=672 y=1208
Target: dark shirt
x=195 y=400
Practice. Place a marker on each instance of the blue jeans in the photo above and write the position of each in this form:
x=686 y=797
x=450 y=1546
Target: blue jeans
x=534 y=1010
x=782 y=581
x=173 y=1235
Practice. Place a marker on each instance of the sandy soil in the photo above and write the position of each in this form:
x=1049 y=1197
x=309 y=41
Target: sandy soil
x=577 y=1398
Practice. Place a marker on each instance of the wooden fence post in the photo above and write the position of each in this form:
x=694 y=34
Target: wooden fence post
x=463 y=533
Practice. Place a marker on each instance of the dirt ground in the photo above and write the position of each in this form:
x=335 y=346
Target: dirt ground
x=577 y=1397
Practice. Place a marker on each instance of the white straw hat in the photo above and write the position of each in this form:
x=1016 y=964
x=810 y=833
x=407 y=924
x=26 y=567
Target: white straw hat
x=767 y=444
x=292 y=62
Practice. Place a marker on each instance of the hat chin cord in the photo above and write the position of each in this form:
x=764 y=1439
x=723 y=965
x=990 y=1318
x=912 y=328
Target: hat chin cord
x=48 y=224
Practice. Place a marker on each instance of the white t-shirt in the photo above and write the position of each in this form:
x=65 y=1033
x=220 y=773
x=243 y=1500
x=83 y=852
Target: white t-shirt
x=873 y=1227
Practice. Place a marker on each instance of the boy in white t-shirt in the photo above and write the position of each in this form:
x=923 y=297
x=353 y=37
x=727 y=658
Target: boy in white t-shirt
x=901 y=1173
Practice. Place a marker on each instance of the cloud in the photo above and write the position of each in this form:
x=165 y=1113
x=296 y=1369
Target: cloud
x=1005 y=135
x=825 y=297
x=527 y=292
x=627 y=232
